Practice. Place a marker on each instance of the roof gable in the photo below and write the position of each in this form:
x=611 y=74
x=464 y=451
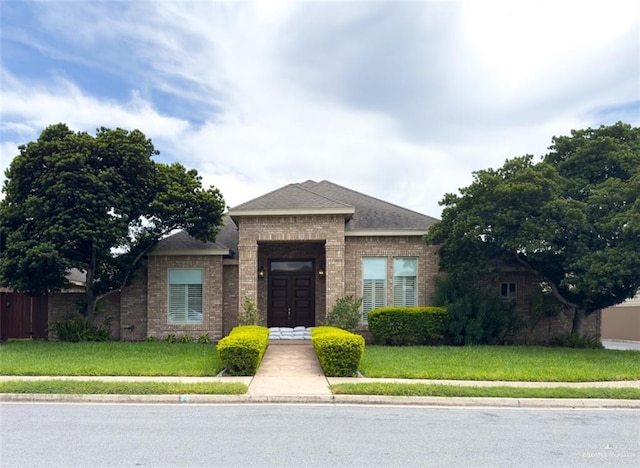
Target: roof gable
x=291 y=197
x=364 y=215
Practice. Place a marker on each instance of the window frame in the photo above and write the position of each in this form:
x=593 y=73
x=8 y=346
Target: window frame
x=399 y=282
x=376 y=285
x=509 y=289
x=190 y=292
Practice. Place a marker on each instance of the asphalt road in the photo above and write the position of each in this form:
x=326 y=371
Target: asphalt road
x=187 y=435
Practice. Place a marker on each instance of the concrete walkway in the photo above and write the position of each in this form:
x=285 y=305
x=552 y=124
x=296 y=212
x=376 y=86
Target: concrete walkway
x=290 y=369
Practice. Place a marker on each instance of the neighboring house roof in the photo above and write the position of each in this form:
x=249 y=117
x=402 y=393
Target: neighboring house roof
x=77 y=277
x=364 y=215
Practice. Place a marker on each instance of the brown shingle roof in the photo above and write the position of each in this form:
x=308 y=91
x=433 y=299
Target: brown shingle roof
x=363 y=213
x=181 y=240
x=291 y=197
x=372 y=213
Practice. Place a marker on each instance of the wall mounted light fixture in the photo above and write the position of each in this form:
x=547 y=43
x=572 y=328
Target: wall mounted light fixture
x=321 y=271
x=261 y=272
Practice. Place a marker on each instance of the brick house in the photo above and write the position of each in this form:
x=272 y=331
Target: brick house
x=293 y=251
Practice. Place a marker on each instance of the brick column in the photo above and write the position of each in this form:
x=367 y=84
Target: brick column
x=334 y=252
x=247 y=271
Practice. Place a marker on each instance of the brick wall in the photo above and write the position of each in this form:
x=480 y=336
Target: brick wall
x=133 y=308
x=537 y=328
x=64 y=305
x=157 y=293
x=230 y=298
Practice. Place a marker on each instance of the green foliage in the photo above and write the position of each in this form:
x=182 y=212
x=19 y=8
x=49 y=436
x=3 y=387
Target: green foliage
x=185 y=339
x=402 y=326
x=339 y=351
x=242 y=350
x=250 y=314
x=151 y=339
x=570 y=340
x=79 y=329
x=573 y=218
x=204 y=339
x=345 y=313
x=72 y=199
x=477 y=313
x=171 y=338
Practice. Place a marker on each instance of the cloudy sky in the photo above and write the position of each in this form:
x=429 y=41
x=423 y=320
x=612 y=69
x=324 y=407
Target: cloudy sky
x=399 y=100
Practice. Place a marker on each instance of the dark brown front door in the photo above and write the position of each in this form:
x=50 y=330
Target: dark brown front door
x=291 y=299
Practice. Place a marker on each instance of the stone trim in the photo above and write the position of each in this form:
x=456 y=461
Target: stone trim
x=292 y=212
x=384 y=233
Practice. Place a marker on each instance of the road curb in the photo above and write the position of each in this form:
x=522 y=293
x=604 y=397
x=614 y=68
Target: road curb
x=567 y=403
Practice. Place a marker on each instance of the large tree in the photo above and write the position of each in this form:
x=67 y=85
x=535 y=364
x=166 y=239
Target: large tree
x=96 y=204
x=573 y=218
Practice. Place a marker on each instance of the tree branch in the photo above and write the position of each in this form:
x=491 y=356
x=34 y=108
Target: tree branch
x=133 y=266
x=554 y=288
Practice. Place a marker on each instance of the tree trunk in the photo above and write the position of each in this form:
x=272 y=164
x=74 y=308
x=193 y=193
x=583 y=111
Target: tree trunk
x=578 y=321
x=90 y=296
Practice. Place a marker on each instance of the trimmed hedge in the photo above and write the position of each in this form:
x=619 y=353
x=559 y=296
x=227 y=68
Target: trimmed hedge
x=241 y=351
x=407 y=326
x=338 y=350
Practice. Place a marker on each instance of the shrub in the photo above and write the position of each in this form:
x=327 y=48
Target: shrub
x=171 y=338
x=481 y=318
x=250 y=314
x=79 y=329
x=345 y=314
x=185 y=339
x=406 y=326
x=477 y=314
x=241 y=351
x=204 y=339
x=339 y=351
x=571 y=340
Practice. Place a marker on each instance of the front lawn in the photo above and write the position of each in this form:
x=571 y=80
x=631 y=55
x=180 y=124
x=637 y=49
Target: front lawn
x=514 y=363
x=432 y=390
x=108 y=358
x=121 y=388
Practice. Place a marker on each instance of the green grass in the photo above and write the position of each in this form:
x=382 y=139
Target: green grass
x=399 y=389
x=511 y=363
x=109 y=358
x=121 y=388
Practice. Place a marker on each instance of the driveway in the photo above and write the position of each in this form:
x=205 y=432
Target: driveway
x=621 y=344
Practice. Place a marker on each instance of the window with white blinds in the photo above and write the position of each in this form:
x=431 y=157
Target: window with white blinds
x=374 y=285
x=185 y=296
x=405 y=273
